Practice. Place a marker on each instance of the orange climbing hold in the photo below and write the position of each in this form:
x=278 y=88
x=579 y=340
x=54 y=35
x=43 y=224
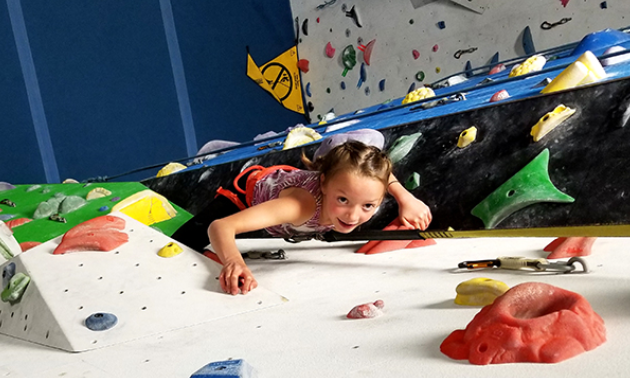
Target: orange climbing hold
x=303 y=65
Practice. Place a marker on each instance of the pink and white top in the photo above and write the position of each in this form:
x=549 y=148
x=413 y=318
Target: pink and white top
x=270 y=186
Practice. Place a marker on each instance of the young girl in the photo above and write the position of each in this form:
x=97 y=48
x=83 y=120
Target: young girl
x=340 y=191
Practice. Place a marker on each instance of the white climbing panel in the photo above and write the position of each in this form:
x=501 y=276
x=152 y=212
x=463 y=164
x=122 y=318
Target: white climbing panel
x=148 y=294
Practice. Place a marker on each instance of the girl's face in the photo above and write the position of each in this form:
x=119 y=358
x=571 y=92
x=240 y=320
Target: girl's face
x=349 y=200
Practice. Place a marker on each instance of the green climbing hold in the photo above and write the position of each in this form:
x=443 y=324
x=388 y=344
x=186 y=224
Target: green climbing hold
x=349 y=59
x=528 y=186
x=5 y=251
x=413 y=181
x=420 y=76
x=16 y=288
x=402 y=146
x=71 y=203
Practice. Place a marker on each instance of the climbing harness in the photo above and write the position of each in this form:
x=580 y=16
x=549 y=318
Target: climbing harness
x=518 y=263
x=547 y=25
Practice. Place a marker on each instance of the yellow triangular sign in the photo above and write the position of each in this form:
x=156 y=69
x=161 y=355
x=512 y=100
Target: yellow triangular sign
x=281 y=78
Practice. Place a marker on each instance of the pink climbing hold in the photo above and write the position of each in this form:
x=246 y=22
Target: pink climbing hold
x=17 y=222
x=496 y=69
x=570 y=247
x=500 y=95
x=532 y=322
x=367 y=51
x=564 y=3
x=303 y=65
x=435 y=48
x=367 y=310
x=330 y=51
x=416 y=54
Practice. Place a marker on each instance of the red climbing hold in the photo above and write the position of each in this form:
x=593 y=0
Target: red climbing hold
x=435 y=48
x=564 y=3
x=99 y=223
x=303 y=65
x=380 y=246
x=500 y=95
x=330 y=51
x=367 y=310
x=28 y=245
x=367 y=51
x=17 y=222
x=570 y=247
x=97 y=240
x=416 y=54
x=532 y=322
x=496 y=69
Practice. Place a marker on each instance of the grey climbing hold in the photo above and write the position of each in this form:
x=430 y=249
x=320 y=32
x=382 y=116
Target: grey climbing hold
x=7 y=273
x=44 y=210
x=71 y=203
x=33 y=187
x=402 y=146
x=101 y=321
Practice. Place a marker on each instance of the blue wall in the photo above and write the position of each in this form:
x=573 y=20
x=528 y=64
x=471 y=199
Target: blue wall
x=126 y=84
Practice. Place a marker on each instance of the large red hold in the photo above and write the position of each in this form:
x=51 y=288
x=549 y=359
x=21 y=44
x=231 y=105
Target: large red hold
x=532 y=322
x=570 y=247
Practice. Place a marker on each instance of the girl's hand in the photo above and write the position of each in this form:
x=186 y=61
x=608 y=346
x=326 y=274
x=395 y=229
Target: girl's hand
x=414 y=213
x=235 y=276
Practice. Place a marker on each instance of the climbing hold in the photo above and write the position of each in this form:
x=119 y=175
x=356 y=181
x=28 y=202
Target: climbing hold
x=413 y=181
x=468 y=70
x=532 y=322
x=342 y=85
x=349 y=59
x=95 y=224
x=308 y=89
x=13 y=223
x=303 y=65
x=9 y=246
x=97 y=193
x=479 y=291
x=411 y=88
x=435 y=48
x=438 y=69
x=586 y=69
x=7 y=273
x=420 y=75
x=381 y=85
x=550 y=121
x=352 y=13
x=44 y=210
x=570 y=247
x=532 y=64
x=146 y=207
x=496 y=69
x=330 y=51
x=70 y=181
x=170 y=168
x=310 y=106
x=466 y=137
x=348 y=33
x=603 y=5
x=7 y=202
x=367 y=91
x=500 y=95
x=15 y=290
x=367 y=51
x=101 y=321
x=6 y=186
x=70 y=204
x=226 y=369
x=115 y=199
x=46 y=190
x=93 y=240
x=564 y=3
x=103 y=208
x=615 y=59
x=305 y=27
x=28 y=245
x=528 y=186
x=441 y=24
x=418 y=94
x=170 y=250
x=416 y=54
x=327 y=90
x=367 y=310
x=5 y=217
x=495 y=58
x=317 y=20
x=402 y=146
x=33 y=187
x=299 y=136
x=528 y=42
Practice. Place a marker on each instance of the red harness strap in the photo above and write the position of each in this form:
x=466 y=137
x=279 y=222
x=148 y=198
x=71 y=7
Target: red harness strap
x=257 y=173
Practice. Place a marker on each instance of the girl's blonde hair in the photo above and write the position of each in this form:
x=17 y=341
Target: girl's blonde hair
x=353 y=156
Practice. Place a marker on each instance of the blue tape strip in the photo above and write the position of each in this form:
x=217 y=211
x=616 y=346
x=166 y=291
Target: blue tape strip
x=179 y=77
x=32 y=90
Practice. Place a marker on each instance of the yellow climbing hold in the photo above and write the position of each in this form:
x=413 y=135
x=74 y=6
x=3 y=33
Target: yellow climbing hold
x=170 y=250
x=532 y=64
x=479 y=291
x=550 y=120
x=170 y=168
x=418 y=94
x=585 y=70
x=467 y=137
x=147 y=207
x=300 y=135
x=97 y=193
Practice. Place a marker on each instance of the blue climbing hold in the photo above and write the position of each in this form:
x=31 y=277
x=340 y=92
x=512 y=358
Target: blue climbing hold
x=381 y=85
x=308 y=89
x=468 y=71
x=603 y=5
x=412 y=88
x=342 y=85
x=362 y=76
x=528 y=42
x=7 y=273
x=103 y=208
x=226 y=369
x=495 y=59
x=441 y=24
x=101 y=321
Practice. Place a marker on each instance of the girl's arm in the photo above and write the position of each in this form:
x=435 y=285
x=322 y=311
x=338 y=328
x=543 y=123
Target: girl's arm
x=294 y=206
x=412 y=212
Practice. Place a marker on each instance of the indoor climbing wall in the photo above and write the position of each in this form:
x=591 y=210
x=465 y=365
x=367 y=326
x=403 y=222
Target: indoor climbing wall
x=84 y=300
x=414 y=42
